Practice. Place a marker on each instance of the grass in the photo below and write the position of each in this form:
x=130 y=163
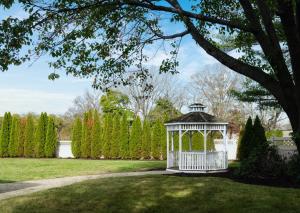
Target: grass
x=19 y=169
x=158 y=194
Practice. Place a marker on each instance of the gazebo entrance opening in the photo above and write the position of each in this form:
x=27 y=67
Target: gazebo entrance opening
x=195 y=122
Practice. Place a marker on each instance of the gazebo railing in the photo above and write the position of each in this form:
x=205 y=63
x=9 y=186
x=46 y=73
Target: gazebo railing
x=198 y=160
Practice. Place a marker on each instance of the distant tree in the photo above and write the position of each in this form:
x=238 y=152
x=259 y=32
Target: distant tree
x=76 y=137
x=14 y=139
x=247 y=138
x=156 y=140
x=115 y=138
x=107 y=133
x=40 y=135
x=124 y=138
x=96 y=144
x=135 y=142
x=164 y=109
x=114 y=101
x=29 y=137
x=5 y=135
x=51 y=139
x=146 y=140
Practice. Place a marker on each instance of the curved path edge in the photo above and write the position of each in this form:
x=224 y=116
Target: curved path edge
x=27 y=187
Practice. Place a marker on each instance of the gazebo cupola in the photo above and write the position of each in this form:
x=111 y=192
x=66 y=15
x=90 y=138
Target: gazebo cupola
x=196 y=121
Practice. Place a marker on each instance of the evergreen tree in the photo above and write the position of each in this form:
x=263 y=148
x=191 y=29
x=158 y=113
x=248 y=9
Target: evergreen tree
x=22 y=137
x=246 y=141
x=87 y=135
x=259 y=136
x=163 y=141
x=135 y=142
x=115 y=138
x=76 y=137
x=5 y=135
x=51 y=139
x=107 y=133
x=14 y=139
x=96 y=137
x=156 y=139
x=124 y=138
x=40 y=136
x=146 y=140
x=242 y=131
x=29 y=137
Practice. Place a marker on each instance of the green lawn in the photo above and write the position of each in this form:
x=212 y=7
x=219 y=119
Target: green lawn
x=162 y=193
x=18 y=169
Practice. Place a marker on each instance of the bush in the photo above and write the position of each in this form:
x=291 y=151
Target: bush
x=115 y=138
x=87 y=135
x=51 y=139
x=293 y=168
x=135 y=142
x=155 y=142
x=274 y=133
x=146 y=140
x=76 y=137
x=29 y=137
x=107 y=132
x=246 y=141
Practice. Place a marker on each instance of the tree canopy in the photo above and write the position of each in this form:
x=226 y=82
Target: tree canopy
x=106 y=39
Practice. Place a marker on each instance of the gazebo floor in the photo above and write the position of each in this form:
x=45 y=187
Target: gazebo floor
x=176 y=170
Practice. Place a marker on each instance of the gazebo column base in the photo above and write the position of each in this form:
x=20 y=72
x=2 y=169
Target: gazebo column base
x=176 y=170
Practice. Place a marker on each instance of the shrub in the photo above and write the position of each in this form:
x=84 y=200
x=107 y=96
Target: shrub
x=21 y=137
x=76 y=137
x=124 y=138
x=274 y=133
x=40 y=135
x=115 y=138
x=246 y=140
x=87 y=135
x=96 y=137
x=5 y=134
x=14 y=139
x=29 y=137
x=135 y=142
x=293 y=168
x=51 y=139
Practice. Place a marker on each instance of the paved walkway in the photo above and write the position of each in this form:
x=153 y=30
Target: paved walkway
x=8 y=190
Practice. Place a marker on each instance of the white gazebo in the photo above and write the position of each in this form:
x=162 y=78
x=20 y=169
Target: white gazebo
x=196 y=161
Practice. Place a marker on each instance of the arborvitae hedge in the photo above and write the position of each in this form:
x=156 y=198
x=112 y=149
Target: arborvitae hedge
x=87 y=135
x=96 y=137
x=51 y=139
x=115 y=137
x=14 y=140
x=135 y=142
x=163 y=143
x=146 y=140
x=124 y=138
x=22 y=137
x=40 y=136
x=5 y=135
x=245 y=145
x=76 y=137
x=107 y=133
x=29 y=137
x=156 y=139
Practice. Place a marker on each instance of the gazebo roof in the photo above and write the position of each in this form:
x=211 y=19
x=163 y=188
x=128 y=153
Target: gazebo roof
x=196 y=117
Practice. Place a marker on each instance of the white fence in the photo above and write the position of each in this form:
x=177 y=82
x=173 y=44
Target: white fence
x=231 y=147
x=64 y=150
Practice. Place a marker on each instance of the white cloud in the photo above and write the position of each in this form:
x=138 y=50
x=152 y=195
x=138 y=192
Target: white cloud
x=23 y=101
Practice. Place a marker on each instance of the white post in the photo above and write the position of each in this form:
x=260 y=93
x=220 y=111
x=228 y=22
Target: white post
x=205 y=160
x=225 y=147
x=168 y=157
x=180 y=147
x=172 y=142
x=190 y=141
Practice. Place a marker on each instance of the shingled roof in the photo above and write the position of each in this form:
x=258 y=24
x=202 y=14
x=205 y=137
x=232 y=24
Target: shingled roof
x=196 y=117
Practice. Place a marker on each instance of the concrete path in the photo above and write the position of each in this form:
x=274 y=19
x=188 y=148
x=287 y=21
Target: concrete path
x=8 y=190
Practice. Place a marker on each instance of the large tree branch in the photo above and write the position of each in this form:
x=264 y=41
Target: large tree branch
x=240 y=67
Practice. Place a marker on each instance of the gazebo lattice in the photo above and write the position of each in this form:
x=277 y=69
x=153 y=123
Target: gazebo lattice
x=196 y=161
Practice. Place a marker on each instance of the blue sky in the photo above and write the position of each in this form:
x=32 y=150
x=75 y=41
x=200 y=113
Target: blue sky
x=26 y=88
